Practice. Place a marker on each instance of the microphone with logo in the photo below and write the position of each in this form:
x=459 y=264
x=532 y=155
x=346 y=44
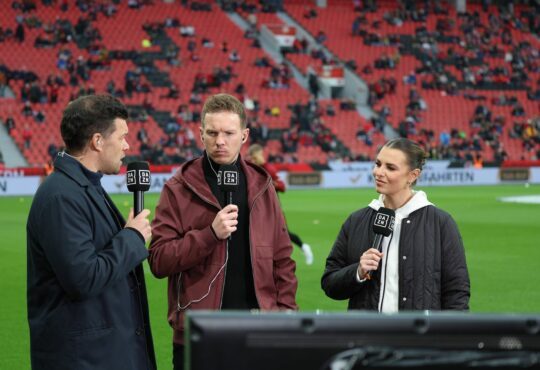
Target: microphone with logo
x=227 y=181
x=138 y=181
x=383 y=225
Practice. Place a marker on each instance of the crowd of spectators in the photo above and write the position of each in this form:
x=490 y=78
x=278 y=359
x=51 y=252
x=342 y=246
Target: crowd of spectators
x=75 y=74
x=487 y=55
x=473 y=42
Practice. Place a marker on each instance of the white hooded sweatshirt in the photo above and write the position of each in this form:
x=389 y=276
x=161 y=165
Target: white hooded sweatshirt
x=389 y=267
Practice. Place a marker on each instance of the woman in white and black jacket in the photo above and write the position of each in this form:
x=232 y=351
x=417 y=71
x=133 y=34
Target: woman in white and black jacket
x=422 y=264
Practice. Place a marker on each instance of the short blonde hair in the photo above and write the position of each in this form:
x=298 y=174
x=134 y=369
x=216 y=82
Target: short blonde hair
x=224 y=103
x=254 y=148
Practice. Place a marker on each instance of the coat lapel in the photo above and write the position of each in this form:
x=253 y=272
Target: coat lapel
x=72 y=168
x=100 y=204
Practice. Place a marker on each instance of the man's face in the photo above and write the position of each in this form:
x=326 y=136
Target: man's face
x=257 y=157
x=223 y=136
x=113 y=148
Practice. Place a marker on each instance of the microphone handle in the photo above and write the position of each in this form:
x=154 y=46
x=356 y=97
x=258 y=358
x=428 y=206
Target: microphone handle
x=138 y=202
x=228 y=200
x=377 y=244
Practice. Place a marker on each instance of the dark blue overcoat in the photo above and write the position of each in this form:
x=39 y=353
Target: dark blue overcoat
x=87 y=304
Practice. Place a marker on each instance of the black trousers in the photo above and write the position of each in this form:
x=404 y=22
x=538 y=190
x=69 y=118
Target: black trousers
x=178 y=357
x=295 y=239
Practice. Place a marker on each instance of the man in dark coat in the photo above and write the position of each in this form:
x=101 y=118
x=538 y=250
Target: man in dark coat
x=87 y=305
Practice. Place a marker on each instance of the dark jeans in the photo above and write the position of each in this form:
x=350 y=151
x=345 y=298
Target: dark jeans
x=178 y=357
x=295 y=239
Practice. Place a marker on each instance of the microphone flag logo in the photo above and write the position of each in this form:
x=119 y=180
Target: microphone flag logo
x=384 y=221
x=227 y=178
x=230 y=178
x=144 y=177
x=130 y=178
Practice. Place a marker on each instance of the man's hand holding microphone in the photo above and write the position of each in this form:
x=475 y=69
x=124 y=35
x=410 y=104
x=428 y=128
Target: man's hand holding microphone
x=141 y=223
x=138 y=181
x=225 y=222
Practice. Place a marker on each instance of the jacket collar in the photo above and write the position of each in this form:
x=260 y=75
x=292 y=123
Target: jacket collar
x=73 y=169
x=192 y=174
x=419 y=200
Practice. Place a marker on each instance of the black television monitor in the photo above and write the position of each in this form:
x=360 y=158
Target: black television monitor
x=361 y=340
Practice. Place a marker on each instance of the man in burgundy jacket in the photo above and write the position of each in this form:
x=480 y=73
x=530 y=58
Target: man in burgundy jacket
x=219 y=256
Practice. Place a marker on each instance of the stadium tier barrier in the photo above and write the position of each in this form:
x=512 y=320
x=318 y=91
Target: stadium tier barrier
x=20 y=181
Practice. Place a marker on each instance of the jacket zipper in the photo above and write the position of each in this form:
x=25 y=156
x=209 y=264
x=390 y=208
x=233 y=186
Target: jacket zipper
x=400 y=263
x=224 y=273
x=178 y=305
x=249 y=237
x=178 y=288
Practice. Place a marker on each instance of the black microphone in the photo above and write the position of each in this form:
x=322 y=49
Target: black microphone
x=138 y=181
x=383 y=225
x=227 y=181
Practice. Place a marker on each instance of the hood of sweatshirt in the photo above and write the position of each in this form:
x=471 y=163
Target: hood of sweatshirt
x=419 y=200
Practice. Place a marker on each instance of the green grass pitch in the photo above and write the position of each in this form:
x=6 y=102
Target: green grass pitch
x=502 y=242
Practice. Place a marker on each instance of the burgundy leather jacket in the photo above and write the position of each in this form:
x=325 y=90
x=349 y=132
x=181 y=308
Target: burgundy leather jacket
x=185 y=250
